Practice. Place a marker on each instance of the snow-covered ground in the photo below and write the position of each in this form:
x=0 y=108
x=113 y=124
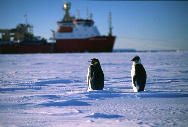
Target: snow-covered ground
x=50 y=90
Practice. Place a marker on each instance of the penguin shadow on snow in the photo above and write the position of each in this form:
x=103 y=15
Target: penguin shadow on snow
x=72 y=102
x=104 y=116
x=53 y=81
x=5 y=90
x=159 y=94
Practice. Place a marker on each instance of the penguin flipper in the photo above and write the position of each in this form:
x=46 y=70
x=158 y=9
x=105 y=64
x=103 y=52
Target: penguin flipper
x=134 y=80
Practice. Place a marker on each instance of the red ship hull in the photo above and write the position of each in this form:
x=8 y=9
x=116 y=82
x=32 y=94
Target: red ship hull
x=18 y=48
x=93 y=44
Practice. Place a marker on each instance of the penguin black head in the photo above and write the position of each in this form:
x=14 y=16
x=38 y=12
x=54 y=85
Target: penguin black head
x=136 y=59
x=94 y=61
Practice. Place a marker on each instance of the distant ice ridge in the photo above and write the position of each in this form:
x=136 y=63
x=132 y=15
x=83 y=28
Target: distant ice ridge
x=134 y=50
x=51 y=90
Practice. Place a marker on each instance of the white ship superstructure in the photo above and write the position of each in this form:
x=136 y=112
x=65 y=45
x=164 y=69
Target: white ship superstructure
x=77 y=29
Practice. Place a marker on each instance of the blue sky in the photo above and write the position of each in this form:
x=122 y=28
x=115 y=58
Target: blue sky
x=144 y=25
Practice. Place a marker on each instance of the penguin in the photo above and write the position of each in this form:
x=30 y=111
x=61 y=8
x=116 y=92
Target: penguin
x=95 y=76
x=138 y=75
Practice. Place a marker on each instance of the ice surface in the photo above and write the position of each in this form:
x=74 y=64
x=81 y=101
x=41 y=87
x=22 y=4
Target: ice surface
x=50 y=90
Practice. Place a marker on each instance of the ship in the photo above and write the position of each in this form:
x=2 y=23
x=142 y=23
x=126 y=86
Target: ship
x=73 y=35
x=22 y=40
x=81 y=35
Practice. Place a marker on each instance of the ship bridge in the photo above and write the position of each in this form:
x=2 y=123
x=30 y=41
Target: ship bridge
x=72 y=28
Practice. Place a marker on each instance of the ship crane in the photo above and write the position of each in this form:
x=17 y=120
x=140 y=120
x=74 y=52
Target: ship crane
x=53 y=34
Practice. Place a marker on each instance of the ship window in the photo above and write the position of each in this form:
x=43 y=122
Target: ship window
x=11 y=38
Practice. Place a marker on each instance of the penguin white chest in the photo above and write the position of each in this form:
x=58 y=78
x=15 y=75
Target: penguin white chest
x=89 y=80
x=132 y=75
x=133 y=71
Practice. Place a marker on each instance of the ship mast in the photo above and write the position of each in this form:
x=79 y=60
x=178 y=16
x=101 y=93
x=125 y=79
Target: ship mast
x=87 y=16
x=66 y=7
x=25 y=16
x=29 y=27
x=78 y=14
x=110 y=24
